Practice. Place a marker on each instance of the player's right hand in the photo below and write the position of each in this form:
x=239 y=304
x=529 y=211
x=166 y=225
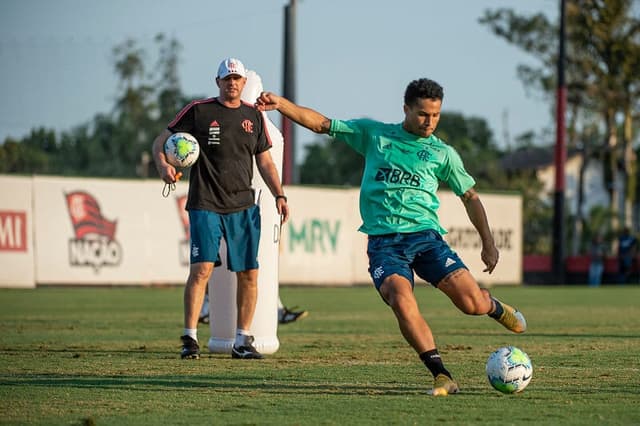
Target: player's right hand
x=169 y=174
x=267 y=101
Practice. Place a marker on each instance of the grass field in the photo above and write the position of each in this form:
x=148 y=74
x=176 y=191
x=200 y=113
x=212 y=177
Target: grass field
x=109 y=356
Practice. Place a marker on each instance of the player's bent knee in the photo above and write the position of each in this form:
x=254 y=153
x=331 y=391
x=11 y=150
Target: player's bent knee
x=199 y=273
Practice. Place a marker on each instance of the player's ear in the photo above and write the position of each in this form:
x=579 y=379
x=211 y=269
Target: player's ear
x=218 y=81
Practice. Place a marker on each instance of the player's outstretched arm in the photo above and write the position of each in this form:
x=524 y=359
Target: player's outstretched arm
x=478 y=216
x=303 y=116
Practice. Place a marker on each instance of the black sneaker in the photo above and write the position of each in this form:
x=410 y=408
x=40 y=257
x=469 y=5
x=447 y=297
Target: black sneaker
x=285 y=316
x=204 y=318
x=246 y=351
x=190 y=348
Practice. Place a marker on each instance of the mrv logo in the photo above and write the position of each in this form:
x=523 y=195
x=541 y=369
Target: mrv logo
x=314 y=236
x=94 y=243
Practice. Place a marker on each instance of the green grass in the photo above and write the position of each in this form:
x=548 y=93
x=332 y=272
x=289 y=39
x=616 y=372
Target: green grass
x=109 y=356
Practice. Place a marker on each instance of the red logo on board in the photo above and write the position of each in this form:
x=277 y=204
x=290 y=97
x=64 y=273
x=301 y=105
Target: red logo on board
x=94 y=243
x=13 y=231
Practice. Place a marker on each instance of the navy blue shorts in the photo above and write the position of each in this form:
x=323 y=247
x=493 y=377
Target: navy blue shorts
x=241 y=231
x=424 y=252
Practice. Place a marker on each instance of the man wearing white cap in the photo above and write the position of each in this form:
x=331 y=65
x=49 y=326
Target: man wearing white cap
x=220 y=202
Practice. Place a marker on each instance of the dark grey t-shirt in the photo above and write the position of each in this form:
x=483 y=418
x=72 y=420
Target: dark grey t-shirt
x=220 y=180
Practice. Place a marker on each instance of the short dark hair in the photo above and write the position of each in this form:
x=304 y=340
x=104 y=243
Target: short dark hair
x=422 y=88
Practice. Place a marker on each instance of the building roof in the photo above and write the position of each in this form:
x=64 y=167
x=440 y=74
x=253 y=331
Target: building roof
x=531 y=157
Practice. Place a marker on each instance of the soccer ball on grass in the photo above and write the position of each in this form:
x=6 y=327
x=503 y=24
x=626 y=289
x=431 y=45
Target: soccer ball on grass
x=509 y=369
x=181 y=149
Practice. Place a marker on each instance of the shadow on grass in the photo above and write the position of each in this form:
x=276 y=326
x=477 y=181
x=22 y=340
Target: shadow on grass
x=528 y=334
x=255 y=385
x=165 y=383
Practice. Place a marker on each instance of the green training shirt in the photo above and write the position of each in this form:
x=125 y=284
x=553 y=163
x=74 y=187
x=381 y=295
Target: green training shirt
x=401 y=175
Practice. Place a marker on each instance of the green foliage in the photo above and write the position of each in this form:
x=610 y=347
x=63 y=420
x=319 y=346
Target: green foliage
x=110 y=356
x=537 y=215
x=117 y=144
x=473 y=139
x=602 y=80
x=328 y=162
x=598 y=223
x=24 y=158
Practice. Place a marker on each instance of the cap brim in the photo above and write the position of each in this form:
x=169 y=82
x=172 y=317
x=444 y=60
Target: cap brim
x=232 y=73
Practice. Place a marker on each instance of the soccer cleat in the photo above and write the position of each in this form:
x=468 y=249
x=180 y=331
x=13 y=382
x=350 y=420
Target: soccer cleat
x=246 y=351
x=204 y=318
x=285 y=316
x=512 y=319
x=190 y=348
x=443 y=385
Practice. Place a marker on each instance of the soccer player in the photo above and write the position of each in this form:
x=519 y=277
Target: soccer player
x=404 y=163
x=231 y=134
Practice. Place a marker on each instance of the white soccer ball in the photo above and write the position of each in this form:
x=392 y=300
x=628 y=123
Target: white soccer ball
x=181 y=149
x=509 y=369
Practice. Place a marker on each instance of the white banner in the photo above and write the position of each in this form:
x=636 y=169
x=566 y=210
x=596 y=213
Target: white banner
x=321 y=245
x=123 y=232
x=16 y=232
x=505 y=218
x=103 y=231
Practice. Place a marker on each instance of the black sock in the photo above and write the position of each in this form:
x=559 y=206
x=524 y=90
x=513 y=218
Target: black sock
x=497 y=312
x=433 y=362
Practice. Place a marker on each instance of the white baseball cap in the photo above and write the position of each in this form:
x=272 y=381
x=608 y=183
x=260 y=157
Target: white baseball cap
x=231 y=66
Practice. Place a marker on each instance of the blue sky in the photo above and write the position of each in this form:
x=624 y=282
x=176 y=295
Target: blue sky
x=354 y=59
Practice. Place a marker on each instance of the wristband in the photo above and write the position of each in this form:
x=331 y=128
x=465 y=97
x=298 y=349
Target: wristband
x=284 y=197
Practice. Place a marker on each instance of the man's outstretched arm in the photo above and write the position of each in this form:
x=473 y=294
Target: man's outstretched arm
x=306 y=117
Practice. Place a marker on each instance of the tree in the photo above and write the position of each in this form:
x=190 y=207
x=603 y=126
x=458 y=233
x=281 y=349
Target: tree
x=114 y=144
x=328 y=162
x=31 y=155
x=473 y=139
x=602 y=75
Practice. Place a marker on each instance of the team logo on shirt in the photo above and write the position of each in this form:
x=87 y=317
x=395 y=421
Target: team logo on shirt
x=214 y=133
x=423 y=155
x=247 y=125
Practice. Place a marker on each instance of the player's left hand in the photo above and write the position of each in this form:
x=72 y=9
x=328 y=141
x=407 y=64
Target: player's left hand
x=283 y=209
x=490 y=257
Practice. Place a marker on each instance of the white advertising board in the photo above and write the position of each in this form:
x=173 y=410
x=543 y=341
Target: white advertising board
x=57 y=230
x=16 y=232
x=321 y=245
x=103 y=231
x=505 y=219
